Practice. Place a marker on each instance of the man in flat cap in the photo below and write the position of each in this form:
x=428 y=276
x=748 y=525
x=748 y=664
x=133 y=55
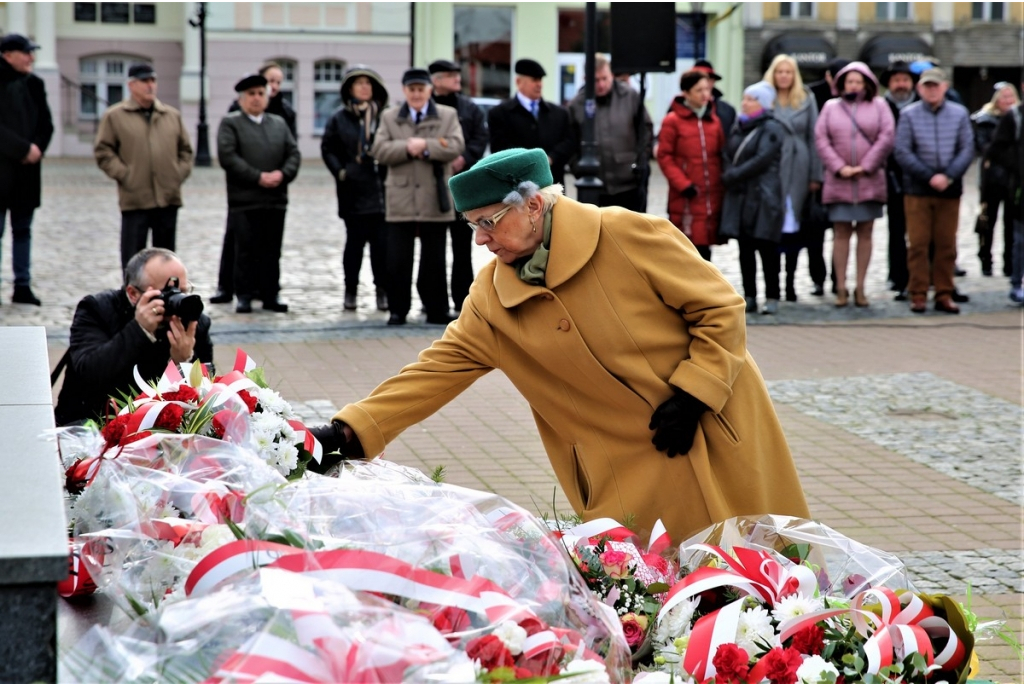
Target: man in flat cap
x=143 y=145
x=25 y=131
x=260 y=158
x=447 y=81
x=527 y=120
x=418 y=141
x=623 y=146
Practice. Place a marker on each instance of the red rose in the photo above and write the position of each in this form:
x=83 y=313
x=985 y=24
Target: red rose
x=170 y=417
x=780 y=665
x=490 y=651
x=450 y=620
x=184 y=393
x=114 y=430
x=731 y=664
x=635 y=628
x=218 y=427
x=656 y=562
x=249 y=399
x=809 y=640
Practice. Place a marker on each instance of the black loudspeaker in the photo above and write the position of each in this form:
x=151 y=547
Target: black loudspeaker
x=643 y=37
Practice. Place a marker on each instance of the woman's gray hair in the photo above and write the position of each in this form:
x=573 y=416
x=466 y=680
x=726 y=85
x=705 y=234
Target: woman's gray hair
x=528 y=189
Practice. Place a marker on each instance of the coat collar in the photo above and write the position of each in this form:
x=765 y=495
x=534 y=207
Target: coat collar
x=131 y=104
x=575 y=230
x=403 y=112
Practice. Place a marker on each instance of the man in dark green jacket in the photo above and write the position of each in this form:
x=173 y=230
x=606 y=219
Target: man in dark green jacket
x=260 y=157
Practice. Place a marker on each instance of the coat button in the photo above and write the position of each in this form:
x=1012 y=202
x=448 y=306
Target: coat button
x=563 y=324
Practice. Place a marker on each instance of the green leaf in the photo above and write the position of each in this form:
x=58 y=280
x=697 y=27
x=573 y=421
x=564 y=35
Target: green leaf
x=439 y=473
x=257 y=376
x=658 y=588
x=235 y=530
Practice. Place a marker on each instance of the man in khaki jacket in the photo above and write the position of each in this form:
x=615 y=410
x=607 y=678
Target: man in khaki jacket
x=143 y=145
x=417 y=142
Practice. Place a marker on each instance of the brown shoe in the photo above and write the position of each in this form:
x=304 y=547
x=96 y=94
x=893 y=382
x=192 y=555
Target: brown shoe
x=842 y=297
x=918 y=304
x=946 y=305
x=859 y=298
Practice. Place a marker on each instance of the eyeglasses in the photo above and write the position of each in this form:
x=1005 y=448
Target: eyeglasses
x=489 y=223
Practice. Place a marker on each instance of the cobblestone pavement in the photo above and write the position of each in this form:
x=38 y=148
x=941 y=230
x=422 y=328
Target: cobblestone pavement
x=906 y=430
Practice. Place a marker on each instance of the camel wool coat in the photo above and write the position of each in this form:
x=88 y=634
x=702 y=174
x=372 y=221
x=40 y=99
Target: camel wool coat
x=629 y=312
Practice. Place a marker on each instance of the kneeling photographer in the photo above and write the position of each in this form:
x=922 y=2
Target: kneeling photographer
x=152 y=320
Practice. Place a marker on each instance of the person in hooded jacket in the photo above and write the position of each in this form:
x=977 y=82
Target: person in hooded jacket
x=854 y=136
x=690 y=146
x=797 y=111
x=993 y=179
x=345 y=148
x=278 y=105
x=754 y=206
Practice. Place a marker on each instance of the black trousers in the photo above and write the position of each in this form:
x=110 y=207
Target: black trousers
x=814 y=242
x=431 y=281
x=258 y=237
x=992 y=197
x=462 y=261
x=226 y=271
x=360 y=230
x=899 y=276
x=633 y=200
x=135 y=226
x=769 y=252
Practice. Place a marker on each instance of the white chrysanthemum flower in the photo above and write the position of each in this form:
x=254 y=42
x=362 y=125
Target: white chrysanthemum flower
x=513 y=635
x=215 y=536
x=816 y=670
x=585 y=671
x=654 y=678
x=272 y=402
x=754 y=626
x=676 y=622
x=795 y=605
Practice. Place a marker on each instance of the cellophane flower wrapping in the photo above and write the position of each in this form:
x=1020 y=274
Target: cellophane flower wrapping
x=377 y=575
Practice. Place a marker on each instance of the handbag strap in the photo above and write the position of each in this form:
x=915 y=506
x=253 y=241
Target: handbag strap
x=743 y=144
x=853 y=120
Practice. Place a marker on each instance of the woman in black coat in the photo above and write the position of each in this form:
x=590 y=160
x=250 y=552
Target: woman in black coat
x=345 y=148
x=754 y=209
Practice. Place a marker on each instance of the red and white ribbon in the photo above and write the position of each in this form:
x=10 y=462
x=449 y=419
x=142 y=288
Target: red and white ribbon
x=309 y=443
x=232 y=558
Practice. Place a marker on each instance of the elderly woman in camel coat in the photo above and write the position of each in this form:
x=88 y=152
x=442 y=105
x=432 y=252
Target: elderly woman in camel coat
x=629 y=347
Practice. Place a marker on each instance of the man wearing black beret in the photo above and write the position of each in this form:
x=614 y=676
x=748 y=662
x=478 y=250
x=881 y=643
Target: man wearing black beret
x=260 y=158
x=447 y=79
x=527 y=120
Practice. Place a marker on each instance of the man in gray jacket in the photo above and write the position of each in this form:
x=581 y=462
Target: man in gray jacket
x=615 y=131
x=934 y=148
x=259 y=155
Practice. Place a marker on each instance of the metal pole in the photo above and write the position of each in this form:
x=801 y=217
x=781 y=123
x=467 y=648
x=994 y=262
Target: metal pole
x=588 y=185
x=203 y=132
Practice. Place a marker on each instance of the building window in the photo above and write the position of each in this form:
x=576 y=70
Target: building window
x=288 y=83
x=796 y=10
x=116 y=12
x=892 y=11
x=483 y=46
x=102 y=84
x=988 y=11
x=327 y=76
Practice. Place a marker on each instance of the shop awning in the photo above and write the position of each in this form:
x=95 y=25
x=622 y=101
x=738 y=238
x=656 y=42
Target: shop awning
x=808 y=49
x=878 y=52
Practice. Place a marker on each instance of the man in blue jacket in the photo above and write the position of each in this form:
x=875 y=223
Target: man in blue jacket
x=934 y=148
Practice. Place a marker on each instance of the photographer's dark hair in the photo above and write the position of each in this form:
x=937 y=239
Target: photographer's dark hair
x=133 y=272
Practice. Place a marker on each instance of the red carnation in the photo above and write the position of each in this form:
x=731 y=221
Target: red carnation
x=170 y=417
x=184 y=393
x=450 y=620
x=218 y=427
x=780 y=665
x=656 y=562
x=731 y=663
x=809 y=640
x=114 y=430
x=249 y=399
x=490 y=651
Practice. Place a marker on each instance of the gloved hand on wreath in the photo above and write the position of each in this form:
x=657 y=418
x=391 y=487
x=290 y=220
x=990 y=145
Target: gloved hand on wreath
x=338 y=441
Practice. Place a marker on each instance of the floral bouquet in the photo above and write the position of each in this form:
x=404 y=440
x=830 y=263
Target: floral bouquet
x=786 y=600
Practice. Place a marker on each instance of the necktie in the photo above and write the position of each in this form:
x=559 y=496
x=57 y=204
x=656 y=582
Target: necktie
x=419 y=117
x=535 y=109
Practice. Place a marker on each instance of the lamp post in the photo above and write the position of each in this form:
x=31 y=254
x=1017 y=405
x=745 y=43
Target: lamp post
x=202 y=133
x=588 y=185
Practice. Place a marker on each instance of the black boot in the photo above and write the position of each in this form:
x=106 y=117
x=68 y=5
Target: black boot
x=23 y=295
x=790 y=287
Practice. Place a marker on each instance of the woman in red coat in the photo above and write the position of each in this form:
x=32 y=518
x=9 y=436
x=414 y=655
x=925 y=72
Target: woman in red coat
x=690 y=146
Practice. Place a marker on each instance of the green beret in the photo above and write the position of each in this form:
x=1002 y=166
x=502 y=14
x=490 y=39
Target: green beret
x=497 y=175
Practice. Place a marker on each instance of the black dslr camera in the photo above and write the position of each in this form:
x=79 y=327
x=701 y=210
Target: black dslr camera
x=185 y=306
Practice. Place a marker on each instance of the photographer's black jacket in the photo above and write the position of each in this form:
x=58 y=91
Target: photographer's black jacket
x=106 y=344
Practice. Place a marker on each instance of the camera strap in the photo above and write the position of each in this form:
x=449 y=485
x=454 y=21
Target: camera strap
x=60 y=368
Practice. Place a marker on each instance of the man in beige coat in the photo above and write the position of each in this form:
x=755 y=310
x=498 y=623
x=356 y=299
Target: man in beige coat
x=143 y=145
x=417 y=141
x=629 y=347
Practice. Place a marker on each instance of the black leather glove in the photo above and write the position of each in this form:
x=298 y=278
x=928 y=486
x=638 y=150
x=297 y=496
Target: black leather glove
x=675 y=423
x=690 y=191
x=335 y=445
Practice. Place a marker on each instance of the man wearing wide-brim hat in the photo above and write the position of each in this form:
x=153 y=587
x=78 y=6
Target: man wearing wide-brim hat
x=260 y=158
x=527 y=120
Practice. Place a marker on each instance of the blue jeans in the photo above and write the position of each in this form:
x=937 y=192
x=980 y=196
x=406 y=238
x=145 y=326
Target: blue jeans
x=21 y=242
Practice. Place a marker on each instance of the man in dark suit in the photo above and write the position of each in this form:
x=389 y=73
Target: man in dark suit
x=447 y=79
x=260 y=158
x=527 y=120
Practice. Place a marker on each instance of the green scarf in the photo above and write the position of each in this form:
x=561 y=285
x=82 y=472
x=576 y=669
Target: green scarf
x=532 y=270
x=699 y=112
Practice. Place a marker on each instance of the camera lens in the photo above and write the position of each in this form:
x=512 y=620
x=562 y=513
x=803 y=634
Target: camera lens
x=185 y=307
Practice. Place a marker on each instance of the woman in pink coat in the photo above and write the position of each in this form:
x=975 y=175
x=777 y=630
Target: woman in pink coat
x=854 y=136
